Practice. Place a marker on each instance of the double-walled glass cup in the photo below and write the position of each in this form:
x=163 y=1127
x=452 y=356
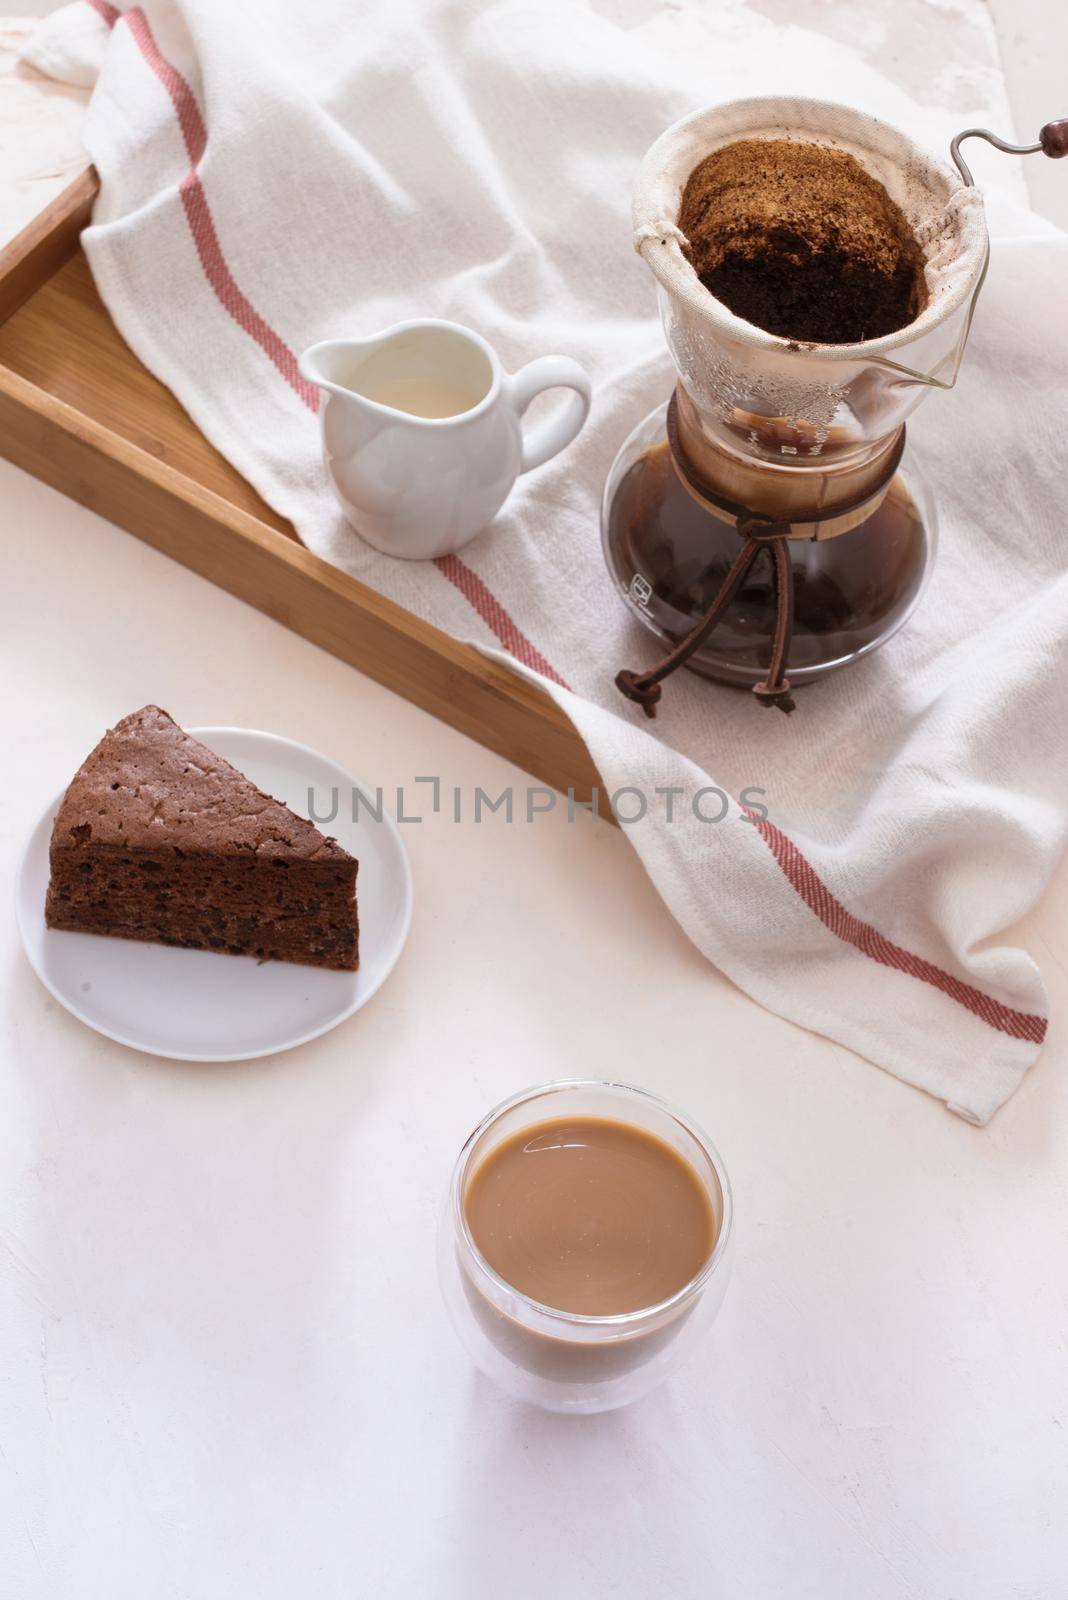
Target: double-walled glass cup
x=562 y=1360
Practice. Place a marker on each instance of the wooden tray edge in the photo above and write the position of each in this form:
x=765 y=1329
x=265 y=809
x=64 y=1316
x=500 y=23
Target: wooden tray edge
x=74 y=453
x=45 y=242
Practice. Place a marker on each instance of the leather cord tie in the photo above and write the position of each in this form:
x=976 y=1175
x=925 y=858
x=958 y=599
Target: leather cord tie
x=757 y=533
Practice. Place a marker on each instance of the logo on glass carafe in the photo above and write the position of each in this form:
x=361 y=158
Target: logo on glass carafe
x=640 y=591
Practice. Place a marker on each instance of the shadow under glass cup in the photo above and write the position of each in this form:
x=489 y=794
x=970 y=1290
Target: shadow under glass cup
x=570 y=1361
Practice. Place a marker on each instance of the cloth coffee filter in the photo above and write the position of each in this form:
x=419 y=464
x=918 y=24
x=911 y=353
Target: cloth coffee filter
x=726 y=361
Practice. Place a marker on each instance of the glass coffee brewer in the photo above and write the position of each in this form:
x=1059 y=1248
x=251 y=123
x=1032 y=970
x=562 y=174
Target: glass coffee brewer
x=761 y=523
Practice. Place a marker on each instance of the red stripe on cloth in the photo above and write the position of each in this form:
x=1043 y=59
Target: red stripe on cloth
x=863 y=937
x=183 y=99
x=198 y=214
x=240 y=308
x=237 y=304
x=489 y=608
x=108 y=14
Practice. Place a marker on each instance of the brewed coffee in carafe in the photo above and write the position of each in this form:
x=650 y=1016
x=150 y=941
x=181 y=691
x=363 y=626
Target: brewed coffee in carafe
x=849 y=593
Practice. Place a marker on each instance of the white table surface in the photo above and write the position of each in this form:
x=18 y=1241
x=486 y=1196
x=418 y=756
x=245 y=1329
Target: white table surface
x=224 y=1367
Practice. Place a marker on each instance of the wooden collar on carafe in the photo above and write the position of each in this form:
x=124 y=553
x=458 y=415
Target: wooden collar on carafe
x=817 y=501
x=759 y=529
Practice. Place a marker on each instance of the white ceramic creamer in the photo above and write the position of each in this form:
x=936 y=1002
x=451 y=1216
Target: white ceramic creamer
x=423 y=435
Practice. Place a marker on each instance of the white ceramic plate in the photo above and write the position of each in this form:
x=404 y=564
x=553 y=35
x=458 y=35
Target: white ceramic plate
x=196 y=1006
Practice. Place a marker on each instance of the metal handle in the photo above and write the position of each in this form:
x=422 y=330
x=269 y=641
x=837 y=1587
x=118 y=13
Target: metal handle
x=1052 y=141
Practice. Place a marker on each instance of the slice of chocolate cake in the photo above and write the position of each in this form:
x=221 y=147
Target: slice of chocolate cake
x=158 y=838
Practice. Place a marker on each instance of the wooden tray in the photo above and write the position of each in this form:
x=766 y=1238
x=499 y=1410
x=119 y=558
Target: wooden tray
x=78 y=410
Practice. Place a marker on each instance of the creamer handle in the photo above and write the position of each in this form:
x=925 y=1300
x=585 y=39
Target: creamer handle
x=548 y=437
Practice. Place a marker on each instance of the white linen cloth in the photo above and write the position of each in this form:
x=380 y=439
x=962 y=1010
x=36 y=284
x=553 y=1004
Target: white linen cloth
x=475 y=161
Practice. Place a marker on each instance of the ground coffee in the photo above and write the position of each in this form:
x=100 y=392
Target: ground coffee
x=800 y=240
